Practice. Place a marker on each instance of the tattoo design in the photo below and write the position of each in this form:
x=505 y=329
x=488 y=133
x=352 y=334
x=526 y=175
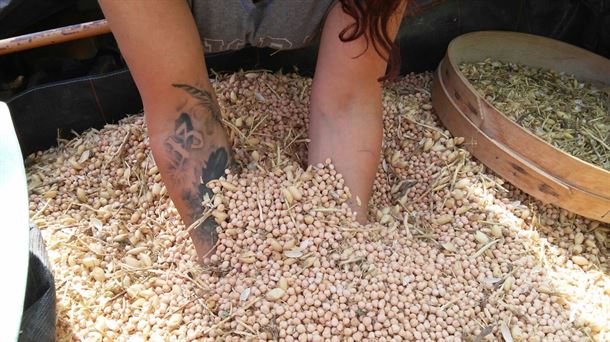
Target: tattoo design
x=213 y=169
x=205 y=99
x=188 y=151
x=205 y=233
x=184 y=139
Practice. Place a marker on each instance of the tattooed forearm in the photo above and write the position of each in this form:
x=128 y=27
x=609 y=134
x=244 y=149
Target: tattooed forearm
x=205 y=114
x=205 y=99
x=196 y=152
x=181 y=143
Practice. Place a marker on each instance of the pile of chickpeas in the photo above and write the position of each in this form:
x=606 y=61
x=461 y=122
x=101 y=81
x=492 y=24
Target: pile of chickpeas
x=451 y=253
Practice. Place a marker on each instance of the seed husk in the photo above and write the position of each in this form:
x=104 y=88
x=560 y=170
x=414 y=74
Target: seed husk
x=496 y=231
x=245 y=294
x=156 y=189
x=309 y=261
x=428 y=143
x=289 y=245
x=98 y=274
x=283 y=284
x=449 y=246
x=275 y=246
x=508 y=283
x=50 y=194
x=579 y=238
x=231 y=231
x=174 y=321
x=247 y=258
x=306 y=176
x=580 y=260
x=135 y=217
x=516 y=333
x=90 y=261
x=132 y=262
x=481 y=237
x=219 y=216
x=462 y=210
x=81 y=195
x=137 y=250
x=443 y=219
x=275 y=294
x=295 y=192
x=145 y=259
x=308 y=219
x=227 y=185
x=462 y=183
x=287 y=196
x=256 y=156
x=295 y=253
x=458 y=194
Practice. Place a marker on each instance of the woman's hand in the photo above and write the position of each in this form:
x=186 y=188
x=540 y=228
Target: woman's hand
x=346 y=121
x=161 y=45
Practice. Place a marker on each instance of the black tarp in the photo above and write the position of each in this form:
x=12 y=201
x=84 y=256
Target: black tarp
x=38 y=320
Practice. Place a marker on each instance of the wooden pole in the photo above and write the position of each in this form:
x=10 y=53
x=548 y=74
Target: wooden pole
x=53 y=36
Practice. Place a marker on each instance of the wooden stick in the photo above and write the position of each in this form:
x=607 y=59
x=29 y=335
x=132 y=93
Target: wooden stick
x=53 y=36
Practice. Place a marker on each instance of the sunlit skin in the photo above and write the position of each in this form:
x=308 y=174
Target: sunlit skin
x=181 y=109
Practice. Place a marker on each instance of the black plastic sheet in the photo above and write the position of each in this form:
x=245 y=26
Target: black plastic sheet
x=43 y=114
x=38 y=320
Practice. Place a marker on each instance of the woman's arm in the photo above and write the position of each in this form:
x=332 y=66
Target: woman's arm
x=346 y=122
x=161 y=45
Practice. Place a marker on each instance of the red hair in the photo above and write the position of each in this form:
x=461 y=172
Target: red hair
x=371 y=21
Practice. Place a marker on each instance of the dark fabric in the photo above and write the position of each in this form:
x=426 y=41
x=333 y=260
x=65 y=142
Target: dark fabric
x=425 y=34
x=278 y=24
x=596 y=32
x=38 y=319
